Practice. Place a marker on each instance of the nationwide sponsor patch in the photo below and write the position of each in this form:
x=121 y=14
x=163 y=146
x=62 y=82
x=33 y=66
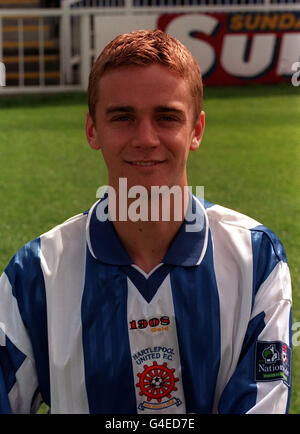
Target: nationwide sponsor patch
x=272 y=361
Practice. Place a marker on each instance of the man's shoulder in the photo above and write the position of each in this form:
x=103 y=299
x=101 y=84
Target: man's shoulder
x=221 y=215
x=222 y=219
x=70 y=234
x=74 y=224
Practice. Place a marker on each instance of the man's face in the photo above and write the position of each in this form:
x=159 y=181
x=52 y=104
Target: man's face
x=145 y=126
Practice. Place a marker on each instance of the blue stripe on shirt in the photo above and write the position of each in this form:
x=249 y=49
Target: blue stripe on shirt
x=28 y=286
x=10 y=360
x=240 y=394
x=196 y=304
x=267 y=253
x=107 y=357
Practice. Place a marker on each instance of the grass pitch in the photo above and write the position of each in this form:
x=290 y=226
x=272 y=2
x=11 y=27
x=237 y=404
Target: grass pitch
x=249 y=160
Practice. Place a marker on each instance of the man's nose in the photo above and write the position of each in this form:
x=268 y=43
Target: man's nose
x=145 y=135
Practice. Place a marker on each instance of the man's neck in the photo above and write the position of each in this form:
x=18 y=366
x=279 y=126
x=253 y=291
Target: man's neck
x=148 y=239
x=146 y=242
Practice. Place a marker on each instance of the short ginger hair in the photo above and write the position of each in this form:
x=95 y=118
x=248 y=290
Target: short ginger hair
x=143 y=48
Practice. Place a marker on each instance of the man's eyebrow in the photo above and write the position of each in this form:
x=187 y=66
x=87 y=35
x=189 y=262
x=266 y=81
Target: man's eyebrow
x=119 y=109
x=170 y=109
x=129 y=109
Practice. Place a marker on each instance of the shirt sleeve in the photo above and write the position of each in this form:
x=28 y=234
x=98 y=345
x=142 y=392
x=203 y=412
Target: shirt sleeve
x=261 y=382
x=18 y=379
x=24 y=359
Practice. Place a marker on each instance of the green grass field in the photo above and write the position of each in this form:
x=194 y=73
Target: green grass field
x=249 y=160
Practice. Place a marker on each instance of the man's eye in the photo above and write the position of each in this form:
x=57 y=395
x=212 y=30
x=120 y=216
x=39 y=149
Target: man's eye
x=168 y=118
x=121 y=118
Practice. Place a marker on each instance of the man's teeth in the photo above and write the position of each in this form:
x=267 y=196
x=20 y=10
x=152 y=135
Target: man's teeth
x=144 y=163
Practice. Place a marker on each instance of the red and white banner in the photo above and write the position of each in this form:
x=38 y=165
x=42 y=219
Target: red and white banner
x=231 y=48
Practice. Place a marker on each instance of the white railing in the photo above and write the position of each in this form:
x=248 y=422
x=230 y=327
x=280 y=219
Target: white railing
x=76 y=38
x=169 y=3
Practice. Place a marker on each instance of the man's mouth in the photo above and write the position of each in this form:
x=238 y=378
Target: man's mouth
x=148 y=163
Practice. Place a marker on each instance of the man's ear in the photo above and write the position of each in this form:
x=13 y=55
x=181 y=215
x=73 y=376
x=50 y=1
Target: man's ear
x=91 y=133
x=198 y=132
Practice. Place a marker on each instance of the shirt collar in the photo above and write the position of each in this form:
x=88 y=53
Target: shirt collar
x=187 y=248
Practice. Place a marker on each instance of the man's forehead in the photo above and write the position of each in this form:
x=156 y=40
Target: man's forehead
x=140 y=68
x=136 y=86
x=139 y=73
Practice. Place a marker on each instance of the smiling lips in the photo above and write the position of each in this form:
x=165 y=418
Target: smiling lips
x=145 y=163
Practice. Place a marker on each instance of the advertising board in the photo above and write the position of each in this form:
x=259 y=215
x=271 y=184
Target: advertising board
x=231 y=48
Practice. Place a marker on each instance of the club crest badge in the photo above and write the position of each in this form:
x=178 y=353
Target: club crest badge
x=157 y=383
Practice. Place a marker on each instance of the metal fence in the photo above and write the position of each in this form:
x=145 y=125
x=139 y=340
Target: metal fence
x=166 y=3
x=65 y=37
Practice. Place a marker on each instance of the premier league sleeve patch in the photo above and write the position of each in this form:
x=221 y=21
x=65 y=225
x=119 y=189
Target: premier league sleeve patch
x=272 y=362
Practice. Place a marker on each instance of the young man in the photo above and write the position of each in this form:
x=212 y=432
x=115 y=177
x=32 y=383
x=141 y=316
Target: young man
x=129 y=315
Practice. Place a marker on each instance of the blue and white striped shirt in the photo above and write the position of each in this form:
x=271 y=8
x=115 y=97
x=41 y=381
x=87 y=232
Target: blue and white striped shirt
x=208 y=330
